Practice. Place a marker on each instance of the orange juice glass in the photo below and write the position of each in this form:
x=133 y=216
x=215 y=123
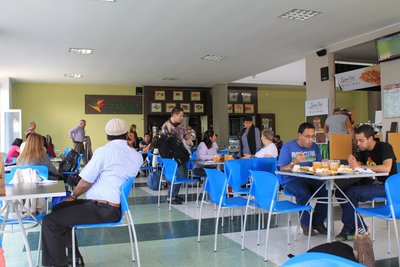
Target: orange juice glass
x=334 y=165
x=316 y=165
x=325 y=165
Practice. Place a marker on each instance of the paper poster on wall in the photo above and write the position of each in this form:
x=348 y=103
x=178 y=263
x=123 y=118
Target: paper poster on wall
x=391 y=100
x=316 y=114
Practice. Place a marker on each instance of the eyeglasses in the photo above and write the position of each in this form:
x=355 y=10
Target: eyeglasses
x=308 y=136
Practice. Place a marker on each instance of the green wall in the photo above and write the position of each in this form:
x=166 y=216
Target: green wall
x=288 y=105
x=56 y=108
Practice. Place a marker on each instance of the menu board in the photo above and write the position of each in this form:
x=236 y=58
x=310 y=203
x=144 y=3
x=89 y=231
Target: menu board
x=391 y=100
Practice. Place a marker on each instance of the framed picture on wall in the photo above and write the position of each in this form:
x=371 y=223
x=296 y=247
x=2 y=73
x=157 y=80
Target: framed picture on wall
x=230 y=108
x=198 y=108
x=238 y=108
x=156 y=107
x=233 y=97
x=177 y=96
x=169 y=107
x=195 y=96
x=249 y=108
x=185 y=107
x=246 y=97
x=159 y=95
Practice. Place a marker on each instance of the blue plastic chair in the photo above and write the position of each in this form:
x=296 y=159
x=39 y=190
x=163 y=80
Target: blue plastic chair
x=390 y=211
x=264 y=189
x=126 y=220
x=264 y=164
x=318 y=259
x=13 y=161
x=238 y=174
x=147 y=164
x=168 y=171
x=216 y=185
x=32 y=222
x=77 y=167
x=66 y=150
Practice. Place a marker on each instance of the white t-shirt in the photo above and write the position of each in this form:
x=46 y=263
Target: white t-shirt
x=110 y=166
x=270 y=150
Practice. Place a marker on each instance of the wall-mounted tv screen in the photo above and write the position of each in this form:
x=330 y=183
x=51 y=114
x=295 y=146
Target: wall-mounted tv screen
x=388 y=47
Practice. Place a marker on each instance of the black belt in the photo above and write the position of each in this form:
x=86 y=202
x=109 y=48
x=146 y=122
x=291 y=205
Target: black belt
x=107 y=203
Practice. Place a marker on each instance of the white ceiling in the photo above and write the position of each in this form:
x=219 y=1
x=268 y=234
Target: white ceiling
x=141 y=42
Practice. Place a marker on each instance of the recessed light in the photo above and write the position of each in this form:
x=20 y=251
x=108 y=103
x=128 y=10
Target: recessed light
x=80 y=51
x=73 y=75
x=299 y=14
x=170 y=78
x=214 y=57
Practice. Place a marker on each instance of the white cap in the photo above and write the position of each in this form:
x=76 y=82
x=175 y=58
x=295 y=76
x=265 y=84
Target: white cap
x=116 y=126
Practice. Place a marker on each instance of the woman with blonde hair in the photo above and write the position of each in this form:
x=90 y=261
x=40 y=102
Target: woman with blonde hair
x=34 y=153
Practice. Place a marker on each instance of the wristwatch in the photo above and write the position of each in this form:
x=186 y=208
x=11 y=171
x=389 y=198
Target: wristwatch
x=72 y=195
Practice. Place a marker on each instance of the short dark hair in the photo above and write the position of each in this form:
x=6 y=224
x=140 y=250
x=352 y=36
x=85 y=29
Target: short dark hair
x=305 y=125
x=176 y=110
x=247 y=118
x=116 y=137
x=17 y=142
x=366 y=129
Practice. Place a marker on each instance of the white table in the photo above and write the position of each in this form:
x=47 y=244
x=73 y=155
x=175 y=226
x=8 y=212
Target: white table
x=17 y=192
x=329 y=185
x=205 y=163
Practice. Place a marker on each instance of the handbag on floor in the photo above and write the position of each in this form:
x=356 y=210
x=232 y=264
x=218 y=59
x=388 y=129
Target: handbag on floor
x=364 y=250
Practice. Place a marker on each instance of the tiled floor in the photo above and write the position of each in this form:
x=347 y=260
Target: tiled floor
x=170 y=238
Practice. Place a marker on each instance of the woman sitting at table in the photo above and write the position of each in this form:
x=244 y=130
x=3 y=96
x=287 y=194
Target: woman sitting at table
x=205 y=151
x=269 y=150
x=35 y=154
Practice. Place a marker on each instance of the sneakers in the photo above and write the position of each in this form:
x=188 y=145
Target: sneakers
x=174 y=201
x=181 y=199
x=343 y=236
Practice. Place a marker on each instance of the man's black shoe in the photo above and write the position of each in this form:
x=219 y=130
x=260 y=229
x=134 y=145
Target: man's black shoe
x=174 y=201
x=179 y=198
x=321 y=229
x=305 y=231
x=79 y=262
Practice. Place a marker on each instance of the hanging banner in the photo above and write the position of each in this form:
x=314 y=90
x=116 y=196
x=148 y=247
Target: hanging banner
x=359 y=78
x=316 y=113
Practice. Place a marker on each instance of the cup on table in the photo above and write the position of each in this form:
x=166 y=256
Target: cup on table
x=317 y=165
x=216 y=158
x=334 y=165
x=325 y=165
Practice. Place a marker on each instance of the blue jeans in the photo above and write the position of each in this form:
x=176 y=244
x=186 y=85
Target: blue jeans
x=302 y=189
x=356 y=194
x=181 y=172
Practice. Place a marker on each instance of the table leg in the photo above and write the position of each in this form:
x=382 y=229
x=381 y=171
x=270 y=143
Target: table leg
x=329 y=219
x=28 y=250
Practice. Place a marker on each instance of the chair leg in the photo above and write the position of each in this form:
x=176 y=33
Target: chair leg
x=73 y=247
x=266 y=236
x=388 y=237
x=309 y=228
x=131 y=241
x=201 y=210
x=170 y=195
x=288 y=228
x=373 y=222
x=259 y=226
x=134 y=238
x=159 y=191
x=39 y=247
x=244 y=226
x=216 y=229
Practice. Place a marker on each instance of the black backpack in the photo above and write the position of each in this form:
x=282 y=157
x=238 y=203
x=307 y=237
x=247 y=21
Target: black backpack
x=173 y=148
x=69 y=162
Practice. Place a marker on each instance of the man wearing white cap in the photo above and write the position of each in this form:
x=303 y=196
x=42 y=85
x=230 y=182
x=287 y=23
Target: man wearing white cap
x=110 y=166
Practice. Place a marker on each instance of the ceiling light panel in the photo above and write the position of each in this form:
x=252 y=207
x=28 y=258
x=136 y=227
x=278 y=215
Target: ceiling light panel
x=73 y=75
x=299 y=14
x=81 y=51
x=214 y=57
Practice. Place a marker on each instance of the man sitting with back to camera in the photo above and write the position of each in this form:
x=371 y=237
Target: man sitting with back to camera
x=102 y=178
x=304 y=151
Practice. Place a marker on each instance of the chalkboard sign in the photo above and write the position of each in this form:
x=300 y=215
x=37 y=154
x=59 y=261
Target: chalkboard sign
x=113 y=104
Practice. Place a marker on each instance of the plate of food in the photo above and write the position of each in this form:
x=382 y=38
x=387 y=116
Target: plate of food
x=345 y=169
x=325 y=171
x=302 y=169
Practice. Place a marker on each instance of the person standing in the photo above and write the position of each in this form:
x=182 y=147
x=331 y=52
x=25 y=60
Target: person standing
x=249 y=138
x=338 y=123
x=77 y=135
x=303 y=151
x=377 y=156
x=174 y=126
x=101 y=180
